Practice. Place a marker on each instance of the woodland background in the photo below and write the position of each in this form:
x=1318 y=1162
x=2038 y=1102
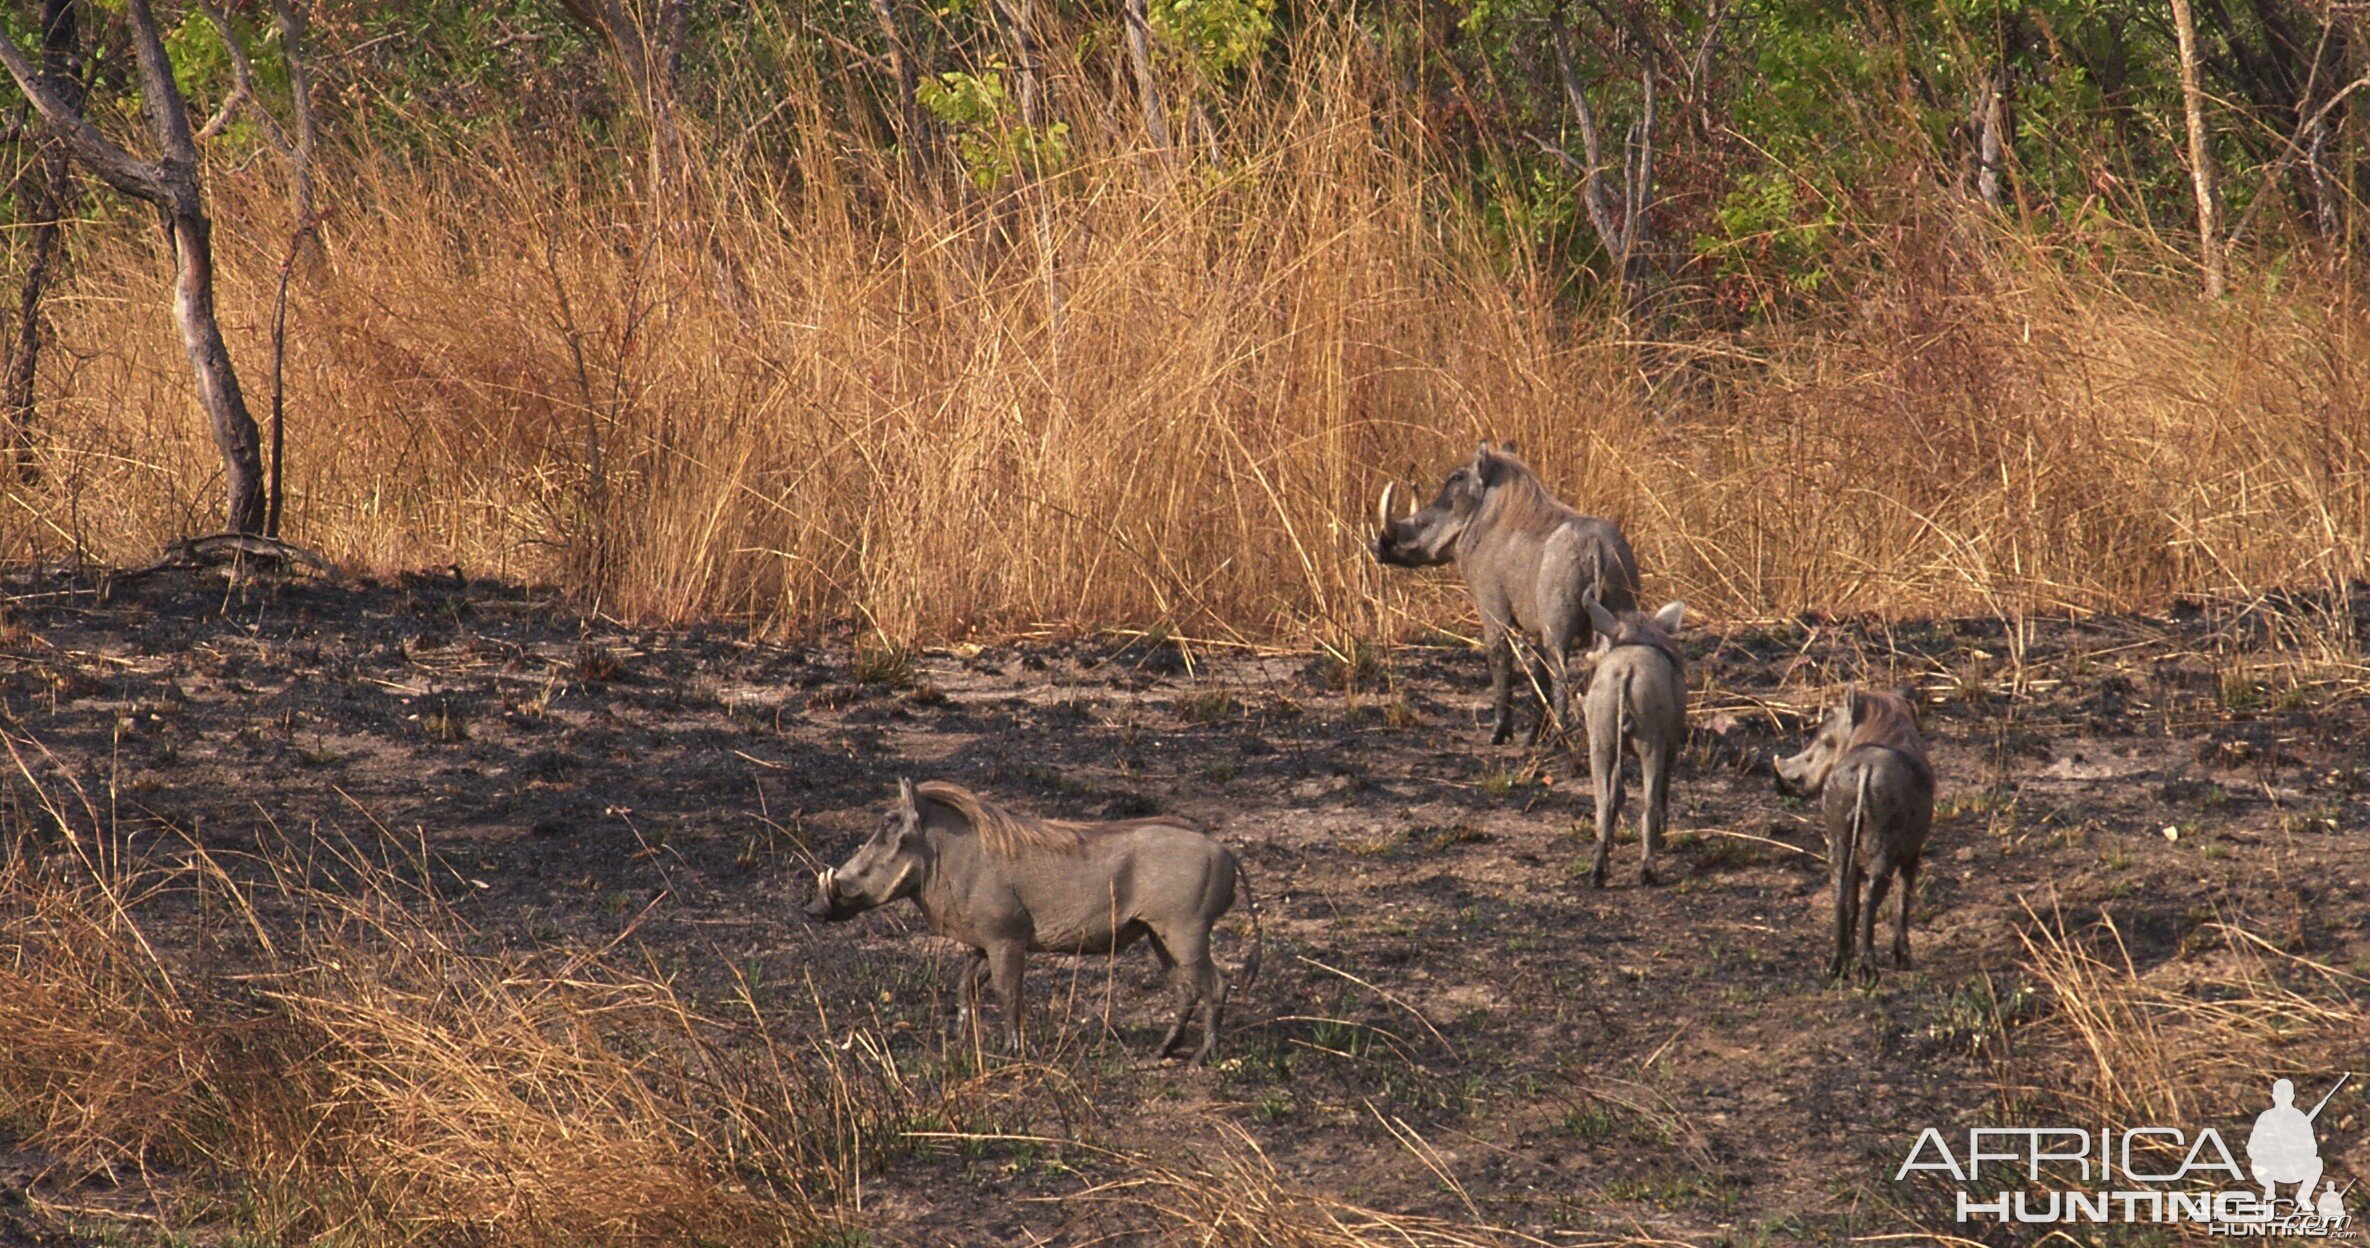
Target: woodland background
x=963 y=317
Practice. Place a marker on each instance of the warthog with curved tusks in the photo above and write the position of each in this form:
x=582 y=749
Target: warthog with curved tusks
x=1637 y=700
x=1528 y=560
x=1868 y=764
x=1006 y=884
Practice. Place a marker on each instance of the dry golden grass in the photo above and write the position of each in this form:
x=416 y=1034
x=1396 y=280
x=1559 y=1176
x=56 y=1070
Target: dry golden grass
x=316 y=1048
x=1135 y=397
x=2126 y=1047
x=312 y=1046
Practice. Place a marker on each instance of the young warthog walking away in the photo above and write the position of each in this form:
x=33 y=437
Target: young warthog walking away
x=1006 y=884
x=1637 y=700
x=1528 y=560
x=1868 y=764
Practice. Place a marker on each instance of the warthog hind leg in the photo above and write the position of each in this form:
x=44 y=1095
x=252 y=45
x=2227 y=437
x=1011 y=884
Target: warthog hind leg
x=1604 y=767
x=1213 y=990
x=1655 y=764
x=1186 y=956
x=1880 y=880
x=1901 y=919
x=1181 y=983
x=1847 y=906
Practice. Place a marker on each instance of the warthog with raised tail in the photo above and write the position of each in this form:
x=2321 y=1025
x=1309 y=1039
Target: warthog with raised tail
x=1529 y=561
x=1006 y=884
x=1868 y=764
x=1637 y=701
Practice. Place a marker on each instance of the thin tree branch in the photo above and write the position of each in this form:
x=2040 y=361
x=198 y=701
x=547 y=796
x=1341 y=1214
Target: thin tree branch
x=116 y=167
x=2278 y=167
x=1592 y=185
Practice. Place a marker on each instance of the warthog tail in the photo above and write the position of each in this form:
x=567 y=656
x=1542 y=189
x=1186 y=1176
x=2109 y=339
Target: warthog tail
x=1629 y=678
x=1851 y=842
x=1250 y=968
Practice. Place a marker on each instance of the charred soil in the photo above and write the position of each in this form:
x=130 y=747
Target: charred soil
x=1450 y=1022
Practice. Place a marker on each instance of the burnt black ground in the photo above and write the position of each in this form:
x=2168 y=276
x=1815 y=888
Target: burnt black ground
x=1662 y=1061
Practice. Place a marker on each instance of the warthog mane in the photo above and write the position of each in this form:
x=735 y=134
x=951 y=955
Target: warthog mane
x=1008 y=835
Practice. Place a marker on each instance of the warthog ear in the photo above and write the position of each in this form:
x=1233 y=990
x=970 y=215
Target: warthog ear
x=1485 y=460
x=1598 y=617
x=1855 y=706
x=1672 y=616
x=908 y=803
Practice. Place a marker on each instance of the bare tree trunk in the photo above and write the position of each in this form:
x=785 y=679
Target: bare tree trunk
x=2324 y=195
x=1991 y=145
x=170 y=182
x=1028 y=76
x=1139 y=57
x=647 y=45
x=1637 y=235
x=305 y=236
x=2201 y=168
x=295 y=28
x=209 y=358
x=912 y=131
x=1624 y=236
x=295 y=144
x=47 y=196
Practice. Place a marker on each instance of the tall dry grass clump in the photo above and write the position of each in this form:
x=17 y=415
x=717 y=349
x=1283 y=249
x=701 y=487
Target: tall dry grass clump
x=316 y=1048
x=1144 y=390
x=2127 y=1047
x=310 y=1045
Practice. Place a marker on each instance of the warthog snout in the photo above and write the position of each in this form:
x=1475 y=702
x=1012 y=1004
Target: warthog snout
x=826 y=900
x=1405 y=541
x=1789 y=773
x=1804 y=774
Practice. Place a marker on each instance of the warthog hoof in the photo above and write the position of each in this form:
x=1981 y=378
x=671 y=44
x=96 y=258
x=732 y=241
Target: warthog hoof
x=1646 y=877
x=1501 y=734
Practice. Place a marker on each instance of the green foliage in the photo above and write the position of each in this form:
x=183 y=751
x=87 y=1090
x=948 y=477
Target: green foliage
x=1783 y=126
x=989 y=137
x=1218 y=36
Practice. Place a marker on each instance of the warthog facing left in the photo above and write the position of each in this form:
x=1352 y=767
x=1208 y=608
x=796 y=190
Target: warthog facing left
x=1529 y=561
x=1868 y=764
x=1006 y=884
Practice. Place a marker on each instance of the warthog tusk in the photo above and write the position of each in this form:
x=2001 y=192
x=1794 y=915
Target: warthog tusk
x=1390 y=490
x=823 y=880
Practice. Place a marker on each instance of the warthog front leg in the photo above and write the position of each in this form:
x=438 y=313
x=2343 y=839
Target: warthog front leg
x=1537 y=678
x=1499 y=644
x=1005 y=963
x=975 y=974
x=1551 y=675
